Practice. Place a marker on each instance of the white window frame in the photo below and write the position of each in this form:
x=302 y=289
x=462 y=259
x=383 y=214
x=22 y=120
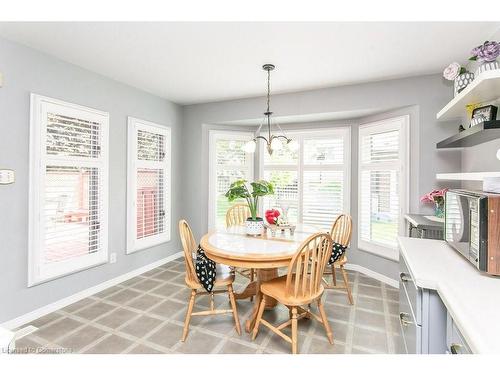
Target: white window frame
x=319 y=133
x=134 y=125
x=38 y=273
x=394 y=123
x=213 y=135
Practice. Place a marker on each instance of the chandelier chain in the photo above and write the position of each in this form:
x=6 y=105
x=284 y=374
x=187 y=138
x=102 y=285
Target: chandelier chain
x=268 y=88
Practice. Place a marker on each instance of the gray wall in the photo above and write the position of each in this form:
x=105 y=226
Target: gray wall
x=26 y=71
x=421 y=97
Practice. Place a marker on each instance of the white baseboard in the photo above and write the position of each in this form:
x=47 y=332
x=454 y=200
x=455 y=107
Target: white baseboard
x=35 y=314
x=373 y=274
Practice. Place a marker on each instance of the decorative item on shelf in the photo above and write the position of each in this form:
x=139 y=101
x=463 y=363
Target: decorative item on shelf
x=486 y=54
x=462 y=81
x=482 y=114
x=476 y=120
x=488 y=112
x=239 y=190
x=273 y=142
x=435 y=197
x=459 y=75
x=461 y=128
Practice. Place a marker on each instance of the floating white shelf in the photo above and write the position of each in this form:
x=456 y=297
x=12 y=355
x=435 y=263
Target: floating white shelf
x=484 y=88
x=471 y=176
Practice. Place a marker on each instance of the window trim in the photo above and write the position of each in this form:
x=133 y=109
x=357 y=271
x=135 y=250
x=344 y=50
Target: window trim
x=302 y=134
x=388 y=124
x=133 y=244
x=212 y=167
x=36 y=274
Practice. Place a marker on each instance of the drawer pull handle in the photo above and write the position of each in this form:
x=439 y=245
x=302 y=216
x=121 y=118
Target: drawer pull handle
x=404 y=277
x=455 y=348
x=403 y=318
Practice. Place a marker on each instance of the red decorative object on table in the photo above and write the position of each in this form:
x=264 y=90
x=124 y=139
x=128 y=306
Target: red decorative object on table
x=272 y=216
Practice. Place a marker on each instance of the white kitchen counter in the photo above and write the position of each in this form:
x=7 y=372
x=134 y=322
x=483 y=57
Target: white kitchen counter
x=471 y=297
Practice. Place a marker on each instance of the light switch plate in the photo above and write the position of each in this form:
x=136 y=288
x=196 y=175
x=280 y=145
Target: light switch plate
x=7 y=176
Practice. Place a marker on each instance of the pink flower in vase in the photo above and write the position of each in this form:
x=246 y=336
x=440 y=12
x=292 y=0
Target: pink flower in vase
x=435 y=197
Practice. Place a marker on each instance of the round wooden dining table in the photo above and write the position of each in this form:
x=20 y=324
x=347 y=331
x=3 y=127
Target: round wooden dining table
x=233 y=247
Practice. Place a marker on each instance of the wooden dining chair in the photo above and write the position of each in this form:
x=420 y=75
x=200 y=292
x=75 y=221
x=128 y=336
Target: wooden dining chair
x=223 y=282
x=300 y=287
x=237 y=215
x=341 y=233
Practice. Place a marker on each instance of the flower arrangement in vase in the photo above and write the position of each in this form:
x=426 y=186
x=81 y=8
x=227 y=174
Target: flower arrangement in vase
x=239 y=190
x=459 y=75
x=486 y=54
x=435 y=197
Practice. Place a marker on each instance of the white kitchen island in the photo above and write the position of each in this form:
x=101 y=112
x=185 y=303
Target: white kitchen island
x=471 y=298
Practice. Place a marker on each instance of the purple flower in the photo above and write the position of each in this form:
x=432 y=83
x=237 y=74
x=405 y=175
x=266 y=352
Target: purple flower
x=475 y=51
x=487 y=52
x=490 y=51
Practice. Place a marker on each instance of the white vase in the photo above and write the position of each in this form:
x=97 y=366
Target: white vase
x=485 y=66
x=462 y=81
x=254 y=227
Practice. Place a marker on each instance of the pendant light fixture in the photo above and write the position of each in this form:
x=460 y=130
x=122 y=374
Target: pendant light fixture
x=273 y=142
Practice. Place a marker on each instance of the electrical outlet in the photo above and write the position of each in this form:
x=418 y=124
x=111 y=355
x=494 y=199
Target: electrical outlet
x=112 y=258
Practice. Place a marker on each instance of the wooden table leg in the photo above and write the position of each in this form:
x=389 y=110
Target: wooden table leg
x=262 y=275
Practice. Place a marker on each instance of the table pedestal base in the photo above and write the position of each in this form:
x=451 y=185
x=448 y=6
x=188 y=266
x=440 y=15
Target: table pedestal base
x=253 y=289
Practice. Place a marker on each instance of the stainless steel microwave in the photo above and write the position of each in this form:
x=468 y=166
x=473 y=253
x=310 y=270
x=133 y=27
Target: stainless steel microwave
x=472 y=227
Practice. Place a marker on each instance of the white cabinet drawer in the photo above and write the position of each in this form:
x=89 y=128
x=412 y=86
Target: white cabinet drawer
x=410 y=330
x=454 y=340
x=412 y=292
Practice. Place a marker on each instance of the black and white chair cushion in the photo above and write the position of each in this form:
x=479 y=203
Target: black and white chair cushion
x=206 y=270
x=337 y=251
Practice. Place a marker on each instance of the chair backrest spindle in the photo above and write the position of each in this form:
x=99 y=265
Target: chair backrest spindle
x=342 y=230
x=237 y=214
x=307 y=265
x=190 y=247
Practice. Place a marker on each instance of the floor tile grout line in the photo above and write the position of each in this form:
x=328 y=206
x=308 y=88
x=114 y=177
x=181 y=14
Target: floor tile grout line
x=352 y=316
x=389 y=337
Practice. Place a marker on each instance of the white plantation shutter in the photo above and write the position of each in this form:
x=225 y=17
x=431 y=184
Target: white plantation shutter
x=382 y=184
x=68 y=188
x=323 y=197
x=227 y=163
x=286 y=192
x=148 y=197
x=313 y=182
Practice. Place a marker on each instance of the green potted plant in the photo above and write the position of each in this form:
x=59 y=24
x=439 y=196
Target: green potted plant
x=260 y=188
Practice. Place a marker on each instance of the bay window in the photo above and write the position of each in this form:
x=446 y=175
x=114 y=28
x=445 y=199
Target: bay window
x=312 y=183
x=227 y=163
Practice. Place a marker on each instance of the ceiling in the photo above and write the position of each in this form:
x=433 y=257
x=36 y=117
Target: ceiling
x=204 y=62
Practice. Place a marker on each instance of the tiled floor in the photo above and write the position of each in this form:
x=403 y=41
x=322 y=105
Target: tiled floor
x=145 y=315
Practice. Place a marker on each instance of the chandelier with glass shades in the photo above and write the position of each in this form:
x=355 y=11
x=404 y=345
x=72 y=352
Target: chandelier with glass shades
x=273 y=142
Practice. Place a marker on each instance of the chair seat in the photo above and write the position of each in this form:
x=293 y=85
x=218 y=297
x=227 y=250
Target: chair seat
x=276 y=288
x=224 y=277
